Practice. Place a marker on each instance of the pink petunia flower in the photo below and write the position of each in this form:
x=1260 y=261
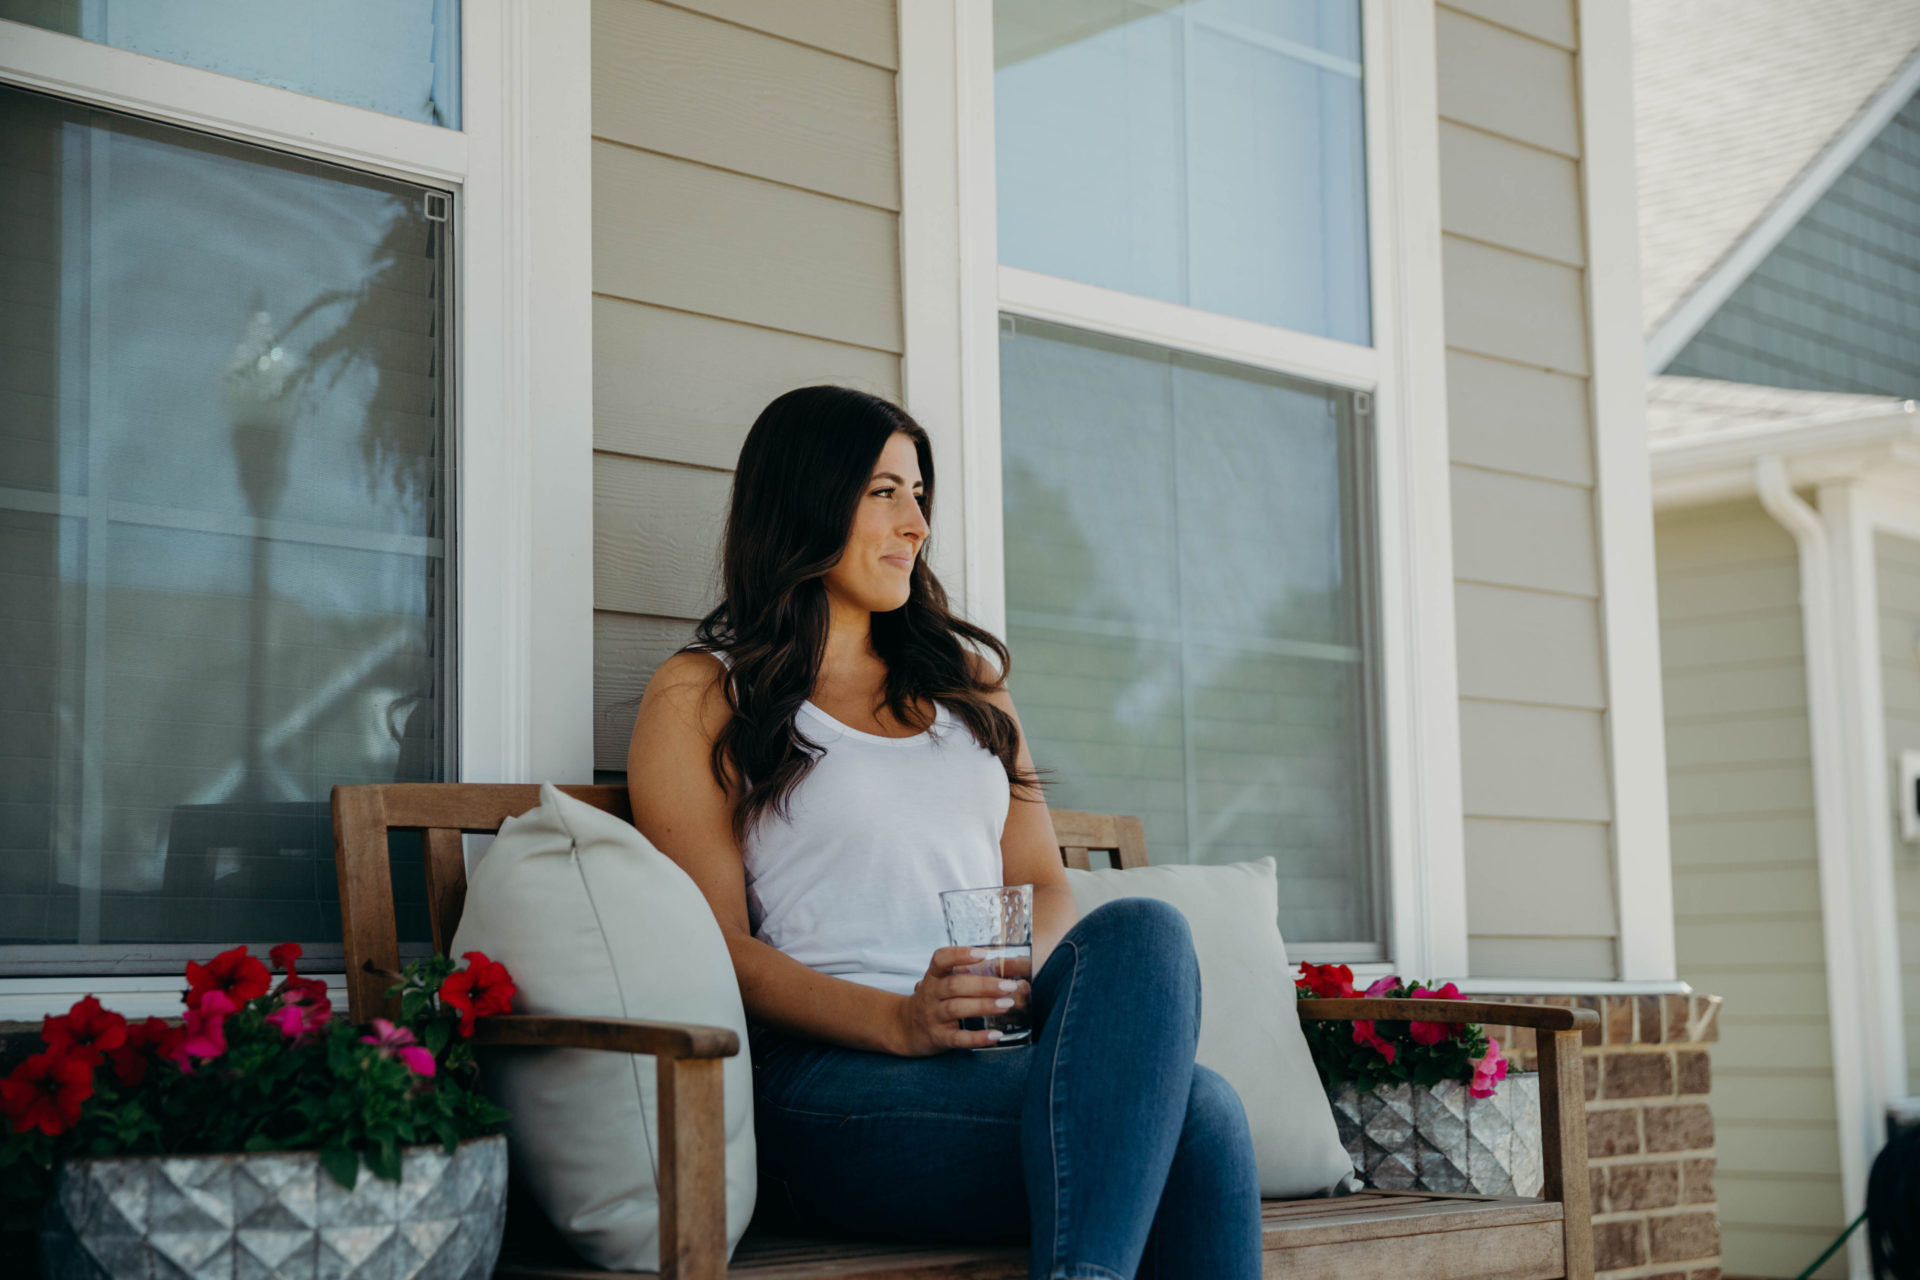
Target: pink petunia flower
x=398 y=1042
x=1434 y=1032
x=206 y=1030
x=304 y=1007
x=1363 y=1033
x=1488 y=1072
x=1383 y=985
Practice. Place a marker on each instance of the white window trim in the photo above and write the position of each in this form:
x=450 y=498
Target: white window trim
x=521 y=172
x=1635 y=730
x=955 y=290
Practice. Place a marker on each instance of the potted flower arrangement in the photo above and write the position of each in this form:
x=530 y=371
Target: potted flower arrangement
x=157 y=1147
x=1423 y=1106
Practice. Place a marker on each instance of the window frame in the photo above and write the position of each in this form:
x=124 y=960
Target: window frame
x=519 y=172
x=956 y=290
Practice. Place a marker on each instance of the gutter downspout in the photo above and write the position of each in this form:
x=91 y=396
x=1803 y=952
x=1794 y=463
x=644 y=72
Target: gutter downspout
x=1833 y=829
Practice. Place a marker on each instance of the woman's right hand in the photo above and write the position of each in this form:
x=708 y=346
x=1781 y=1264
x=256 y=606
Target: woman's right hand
x=930 y=1017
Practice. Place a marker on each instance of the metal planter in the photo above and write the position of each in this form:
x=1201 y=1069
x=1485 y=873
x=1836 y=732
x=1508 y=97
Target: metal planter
x=276 y=1214
x=1409 y=1137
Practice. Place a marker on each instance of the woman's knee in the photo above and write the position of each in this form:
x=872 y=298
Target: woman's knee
x=1146 y=924
x=1214 y=1109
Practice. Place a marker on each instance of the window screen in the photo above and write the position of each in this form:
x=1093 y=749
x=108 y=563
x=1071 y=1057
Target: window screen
x=224 y=559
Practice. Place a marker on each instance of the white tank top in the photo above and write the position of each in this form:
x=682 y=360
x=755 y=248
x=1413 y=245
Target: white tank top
x=849 y=883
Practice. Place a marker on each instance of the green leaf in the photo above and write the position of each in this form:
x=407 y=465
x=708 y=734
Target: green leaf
x=384 y=1160
x=342 y=1163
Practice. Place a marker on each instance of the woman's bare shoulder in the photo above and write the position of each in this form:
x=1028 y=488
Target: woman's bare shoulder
x=983 y=671
x=691 y=684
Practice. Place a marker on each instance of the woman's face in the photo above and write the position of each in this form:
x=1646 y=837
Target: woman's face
x=887 y=534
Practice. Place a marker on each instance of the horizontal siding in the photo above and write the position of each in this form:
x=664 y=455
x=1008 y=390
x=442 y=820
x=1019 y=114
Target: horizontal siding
x=1525 y=879
x=1507 y=193
x=1537 y=794
x=862 y=29
x=1506 y=82
x=1503 y=416
x=685 y=388
x=1533 y=762
x=1548 y=20
x=675 y=82
x=1527 y=646
x=746 y=242
x=626 y=650
x=1545 y=956
x=682 y=235
x=1513 y=306
x=656 y=536
x=1745 y=874
x=1515 y=531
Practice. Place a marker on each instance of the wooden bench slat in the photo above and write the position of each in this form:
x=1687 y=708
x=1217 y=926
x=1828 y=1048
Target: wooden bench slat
x=1528 y=1251
x=1507 y=1238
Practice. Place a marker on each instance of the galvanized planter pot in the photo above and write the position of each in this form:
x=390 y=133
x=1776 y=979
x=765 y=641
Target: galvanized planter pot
x=276 y=1214
x=1410 y=1137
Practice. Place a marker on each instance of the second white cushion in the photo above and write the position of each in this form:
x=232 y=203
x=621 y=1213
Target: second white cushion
x=1249 y=1031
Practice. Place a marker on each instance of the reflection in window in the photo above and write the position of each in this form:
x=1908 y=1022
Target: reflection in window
x=1209 y=153
x=223 y=527
x=1189 y=590
x=397 y=57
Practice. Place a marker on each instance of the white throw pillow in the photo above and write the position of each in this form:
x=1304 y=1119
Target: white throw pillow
x=591 y=919
x=1249 y=1031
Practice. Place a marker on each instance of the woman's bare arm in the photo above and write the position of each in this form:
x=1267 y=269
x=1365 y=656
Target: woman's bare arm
x=1028 y=851
x=679 y=806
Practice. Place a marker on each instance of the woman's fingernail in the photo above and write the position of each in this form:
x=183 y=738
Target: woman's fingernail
x=993 y=1035
x=1007 y=985
x=976 y=954
x=1004 y=1002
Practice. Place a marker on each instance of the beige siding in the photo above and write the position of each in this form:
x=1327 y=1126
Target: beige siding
x=1897 y=561
x=746 y=183
x=1746 y=879
x=1540 y=893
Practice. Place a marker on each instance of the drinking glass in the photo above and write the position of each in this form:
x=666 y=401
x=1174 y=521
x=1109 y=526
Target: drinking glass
x=998 y=922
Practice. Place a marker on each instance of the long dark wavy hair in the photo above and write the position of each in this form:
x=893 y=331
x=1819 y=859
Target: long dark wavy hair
x=802 y=472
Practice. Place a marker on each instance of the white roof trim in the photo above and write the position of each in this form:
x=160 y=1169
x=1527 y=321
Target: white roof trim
x=1699 y=304
x=1718 y=466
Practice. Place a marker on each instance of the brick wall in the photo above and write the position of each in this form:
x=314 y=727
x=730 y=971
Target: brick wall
x=1650 y=1152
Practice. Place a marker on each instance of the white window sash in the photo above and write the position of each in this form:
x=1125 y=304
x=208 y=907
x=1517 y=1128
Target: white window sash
x=520 y=173
x=955 y=290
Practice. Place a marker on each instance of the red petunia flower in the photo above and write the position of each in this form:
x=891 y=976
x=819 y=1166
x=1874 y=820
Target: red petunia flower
x=480 y=989
x=1328 y=981
x=145 y=1040
x=45 y=1092
x=85 y=1031
x=284 y=956
x=1363 y=1033
x=234 y=974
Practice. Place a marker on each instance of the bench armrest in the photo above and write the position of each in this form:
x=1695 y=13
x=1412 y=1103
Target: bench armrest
x=665 y=1040
x=1539 y=1016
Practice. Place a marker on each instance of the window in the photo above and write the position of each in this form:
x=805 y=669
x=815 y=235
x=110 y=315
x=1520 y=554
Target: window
x=400 y=57
x=1187 y=587
x=224 y=530
x=1206 y=153
x=1189 y=563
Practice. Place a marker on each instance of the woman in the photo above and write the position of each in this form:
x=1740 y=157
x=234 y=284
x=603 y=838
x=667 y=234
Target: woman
x=829 y=757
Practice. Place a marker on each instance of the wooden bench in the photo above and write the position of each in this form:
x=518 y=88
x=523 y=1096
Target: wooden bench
x=1415 y=1236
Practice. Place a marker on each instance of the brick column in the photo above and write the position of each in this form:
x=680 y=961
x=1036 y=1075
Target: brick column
x=1649 y=1131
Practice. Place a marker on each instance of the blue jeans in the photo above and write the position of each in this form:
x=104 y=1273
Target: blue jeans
x=1131 y=1160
